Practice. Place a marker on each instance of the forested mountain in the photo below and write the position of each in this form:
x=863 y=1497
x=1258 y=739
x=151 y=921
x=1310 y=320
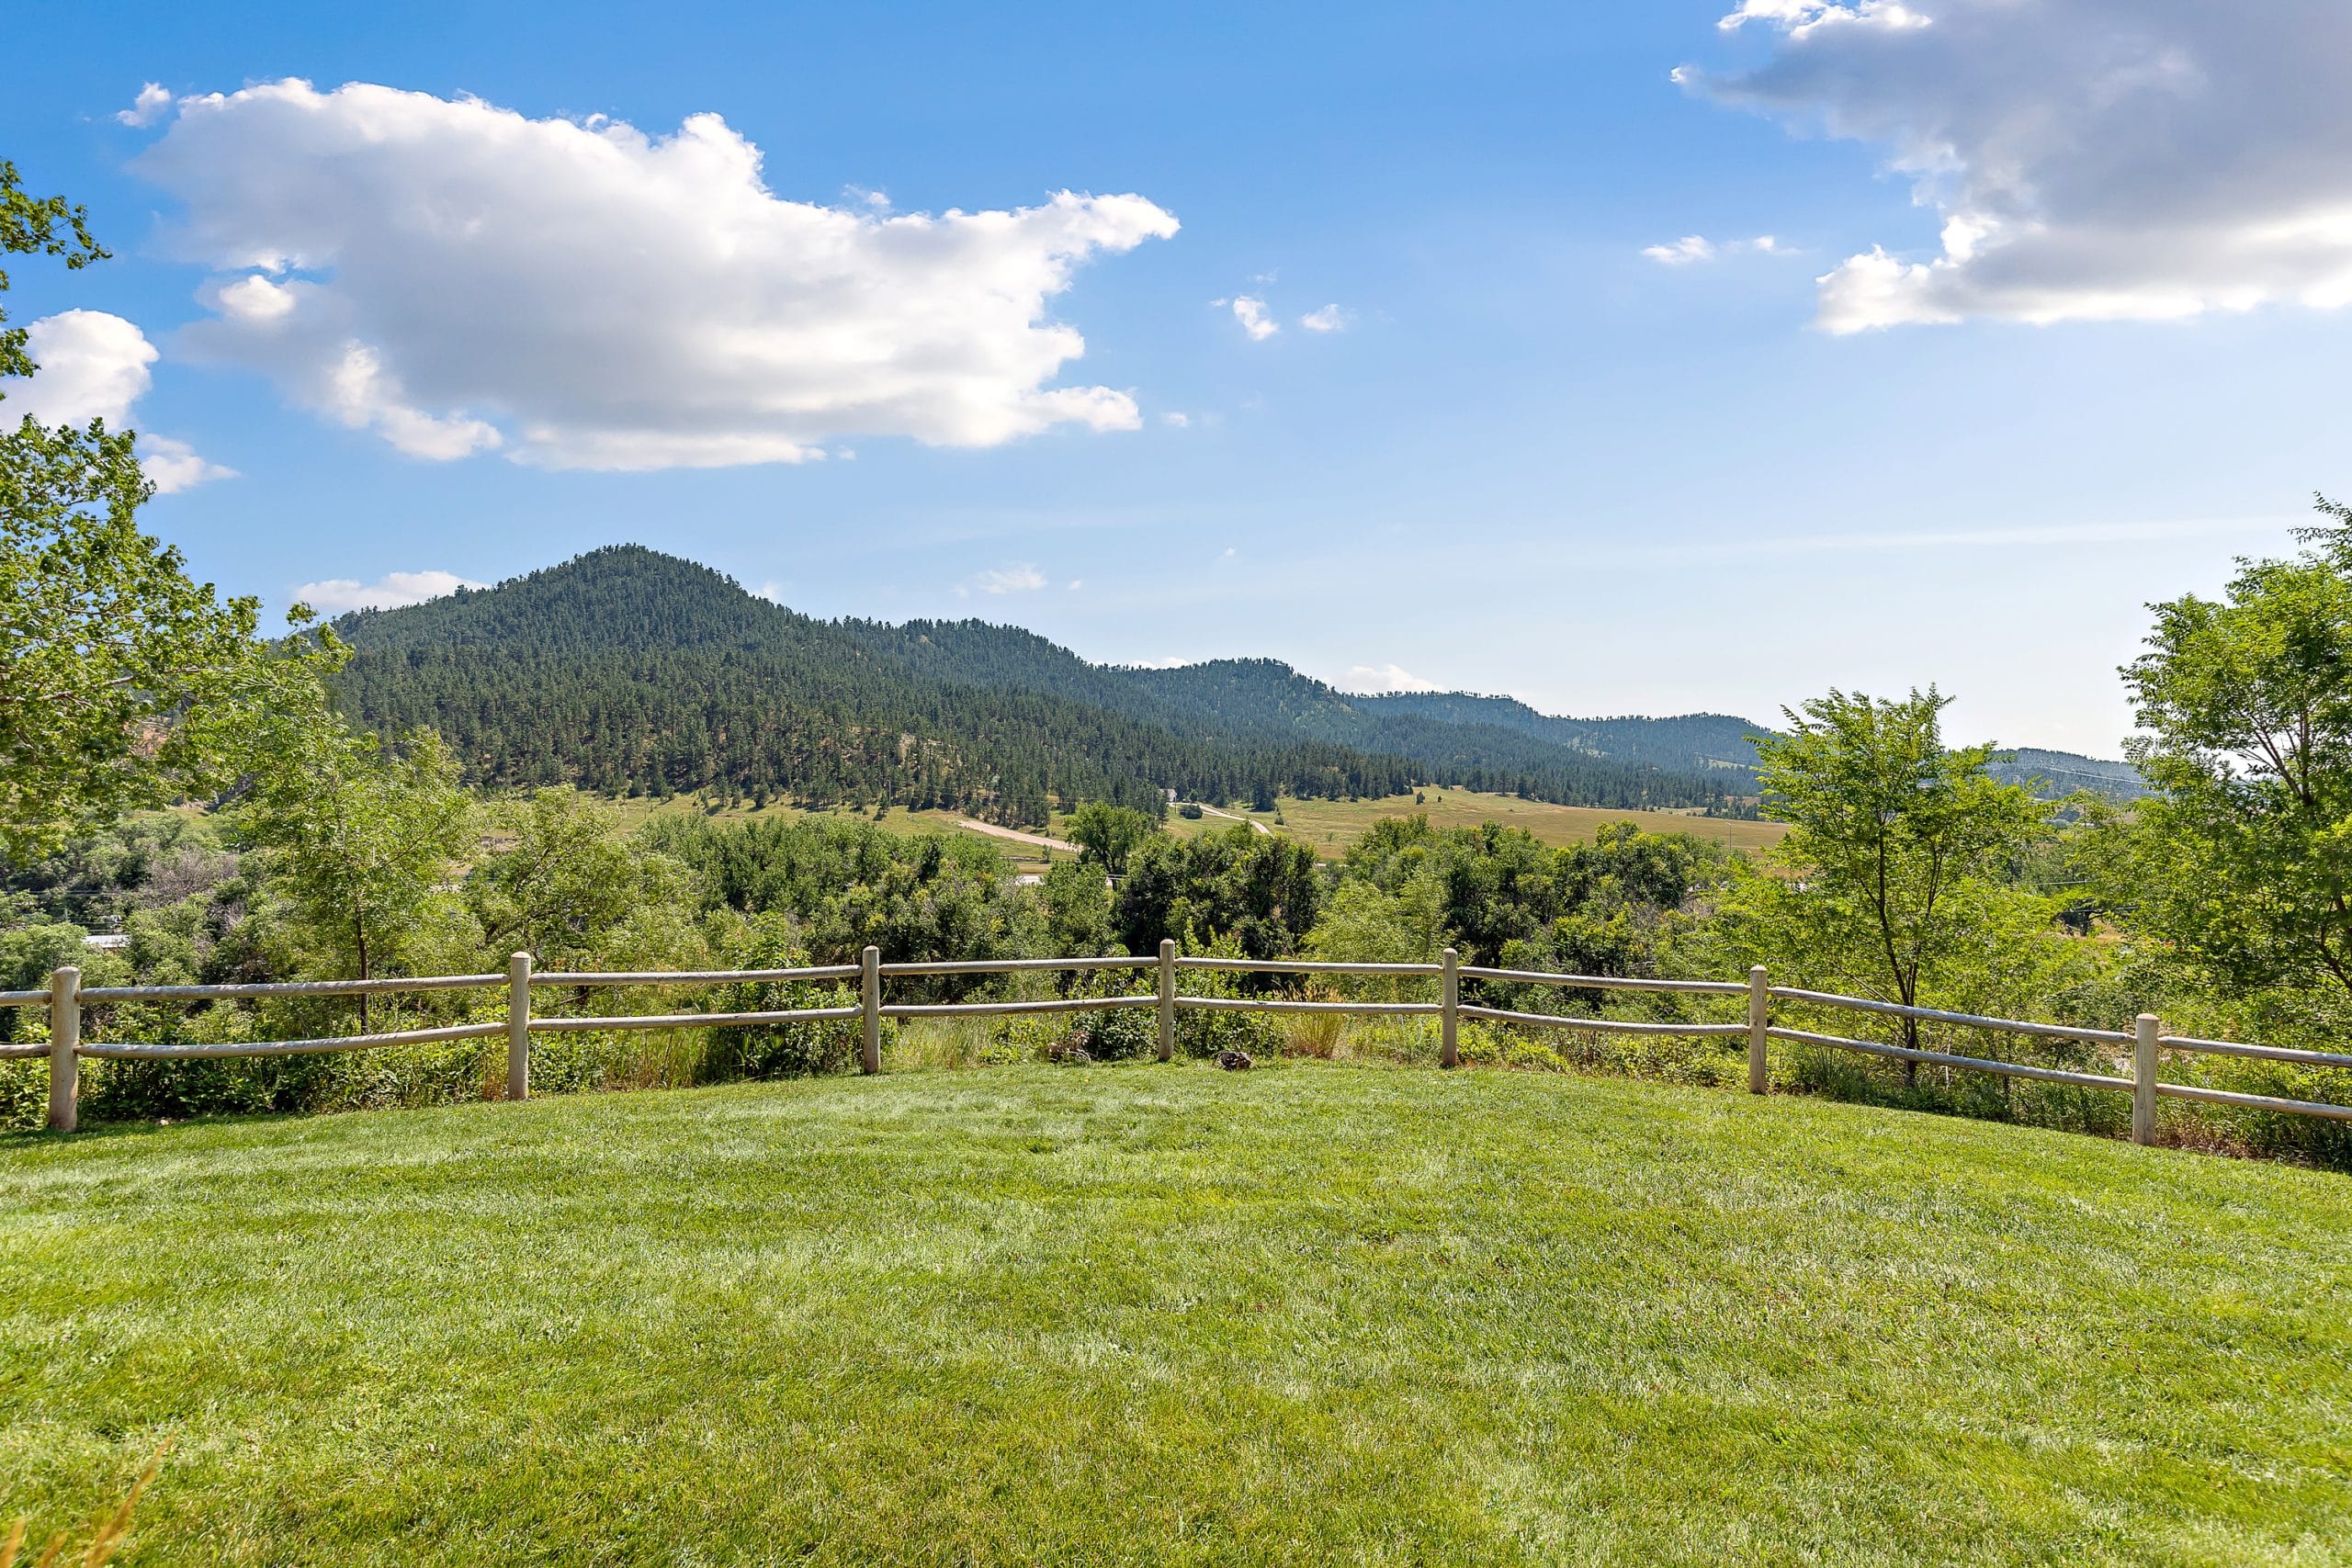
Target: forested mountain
x=632 y=672
x=1265 y=700
x=2061 y=772
x=1695 y=741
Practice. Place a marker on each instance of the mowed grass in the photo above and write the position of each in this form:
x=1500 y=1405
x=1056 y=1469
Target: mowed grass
x=1165 y=1314
x=1330 y=826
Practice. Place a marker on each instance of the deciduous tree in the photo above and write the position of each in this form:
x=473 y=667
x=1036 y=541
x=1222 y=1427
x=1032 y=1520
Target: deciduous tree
x=2242 y=864
x=121 y=676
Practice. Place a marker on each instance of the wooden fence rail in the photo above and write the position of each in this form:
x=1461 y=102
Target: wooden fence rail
x=66 y=997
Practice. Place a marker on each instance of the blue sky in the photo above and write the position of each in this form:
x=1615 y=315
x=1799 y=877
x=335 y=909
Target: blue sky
x=1530 y=458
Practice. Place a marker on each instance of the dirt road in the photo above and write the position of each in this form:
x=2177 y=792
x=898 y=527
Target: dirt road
x=1213 y=811
x=1036 y=840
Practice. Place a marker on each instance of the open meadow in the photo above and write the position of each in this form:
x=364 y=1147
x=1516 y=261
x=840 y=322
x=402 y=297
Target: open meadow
x=1115 y=1314
x=1328 y=826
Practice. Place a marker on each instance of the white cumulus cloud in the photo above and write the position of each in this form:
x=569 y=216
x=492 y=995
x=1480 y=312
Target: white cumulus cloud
x=147 y=108
x=389 y=592
x=1251 y=312
x=459 y=279
x=1330 y=319
x=95 y=366
x=1373 y=679
x=1683 y=251
x=2098 y=160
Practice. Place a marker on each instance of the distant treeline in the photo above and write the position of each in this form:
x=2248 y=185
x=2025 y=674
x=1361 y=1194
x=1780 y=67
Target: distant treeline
x=633 y=672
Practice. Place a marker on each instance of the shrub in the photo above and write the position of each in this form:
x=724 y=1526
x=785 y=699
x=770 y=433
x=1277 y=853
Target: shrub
x=1115 y=1034
x=784 y=1049
x=1205 y=1032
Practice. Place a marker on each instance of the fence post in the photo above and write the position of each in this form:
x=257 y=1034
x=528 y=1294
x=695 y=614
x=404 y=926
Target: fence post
x=2146 y=1031
x=518 y=1027
x=869 y=989
x=1449 y=1047
x=1759 y=1019
x=64 y=1041
x=1167 y=998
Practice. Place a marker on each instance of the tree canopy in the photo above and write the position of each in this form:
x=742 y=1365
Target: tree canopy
x=121 y=677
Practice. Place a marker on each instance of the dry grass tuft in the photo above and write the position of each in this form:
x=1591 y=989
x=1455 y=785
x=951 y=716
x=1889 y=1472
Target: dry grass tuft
x=110 y=1533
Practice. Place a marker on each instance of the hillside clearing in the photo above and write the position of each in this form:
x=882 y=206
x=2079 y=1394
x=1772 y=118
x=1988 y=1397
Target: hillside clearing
x=1330 y=826
x=1168 y=1314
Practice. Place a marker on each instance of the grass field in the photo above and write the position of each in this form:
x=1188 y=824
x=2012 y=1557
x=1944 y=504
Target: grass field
x=1332 y=825
x=1308 y=1314
x=1329 y=826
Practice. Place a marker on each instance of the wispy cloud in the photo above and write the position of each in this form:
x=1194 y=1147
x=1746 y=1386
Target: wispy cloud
x=1380 y=678
x=1694 y=248
x=391 y=592
x=1330 y=319
x=1021 y=579
x=2020 y=537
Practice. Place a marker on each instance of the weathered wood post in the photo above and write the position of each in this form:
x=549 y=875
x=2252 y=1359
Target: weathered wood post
x=518 y=1027
x=1759 y=1019
x=870 y=997
x=2145 y=1032
x=1449 y=1045
x=64 y=1041
x=1167 y=998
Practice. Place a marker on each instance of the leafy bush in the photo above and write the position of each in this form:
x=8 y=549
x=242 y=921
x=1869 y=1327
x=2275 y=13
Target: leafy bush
x=784 y=1049
x=1205 y=1032
x=1115 y=1034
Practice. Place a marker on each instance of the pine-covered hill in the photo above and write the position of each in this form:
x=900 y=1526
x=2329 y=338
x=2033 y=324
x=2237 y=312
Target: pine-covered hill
x=1696 y=742
x=629 y=671
x=1263 y=700
x=2064 y=773
x=632 y=671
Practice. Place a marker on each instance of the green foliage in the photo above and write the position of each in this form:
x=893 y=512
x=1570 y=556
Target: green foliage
x=28 y=954
x=1259 y=890
x=785 y=1050
x=361 y=841
x=1078 y=910
x=1891 y=882
x=2243 y=864
x=1202 y=1032
x=123 y=681
x=1114 y=1034
x=566 y=886
x=1503 y=899
x=29 y=225
x=850 y=884
x=629 y=671
x=1109 y=835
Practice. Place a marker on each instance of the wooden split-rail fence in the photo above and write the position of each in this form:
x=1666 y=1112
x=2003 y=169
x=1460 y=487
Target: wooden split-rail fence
x=2146 y=1041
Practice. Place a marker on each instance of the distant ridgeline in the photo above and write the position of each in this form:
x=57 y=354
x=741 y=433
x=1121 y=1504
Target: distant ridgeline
x=630 y=671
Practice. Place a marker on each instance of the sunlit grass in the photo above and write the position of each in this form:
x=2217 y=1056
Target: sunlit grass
x=1305 y=1314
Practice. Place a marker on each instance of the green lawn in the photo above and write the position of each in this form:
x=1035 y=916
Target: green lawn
x=1144 y=1314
